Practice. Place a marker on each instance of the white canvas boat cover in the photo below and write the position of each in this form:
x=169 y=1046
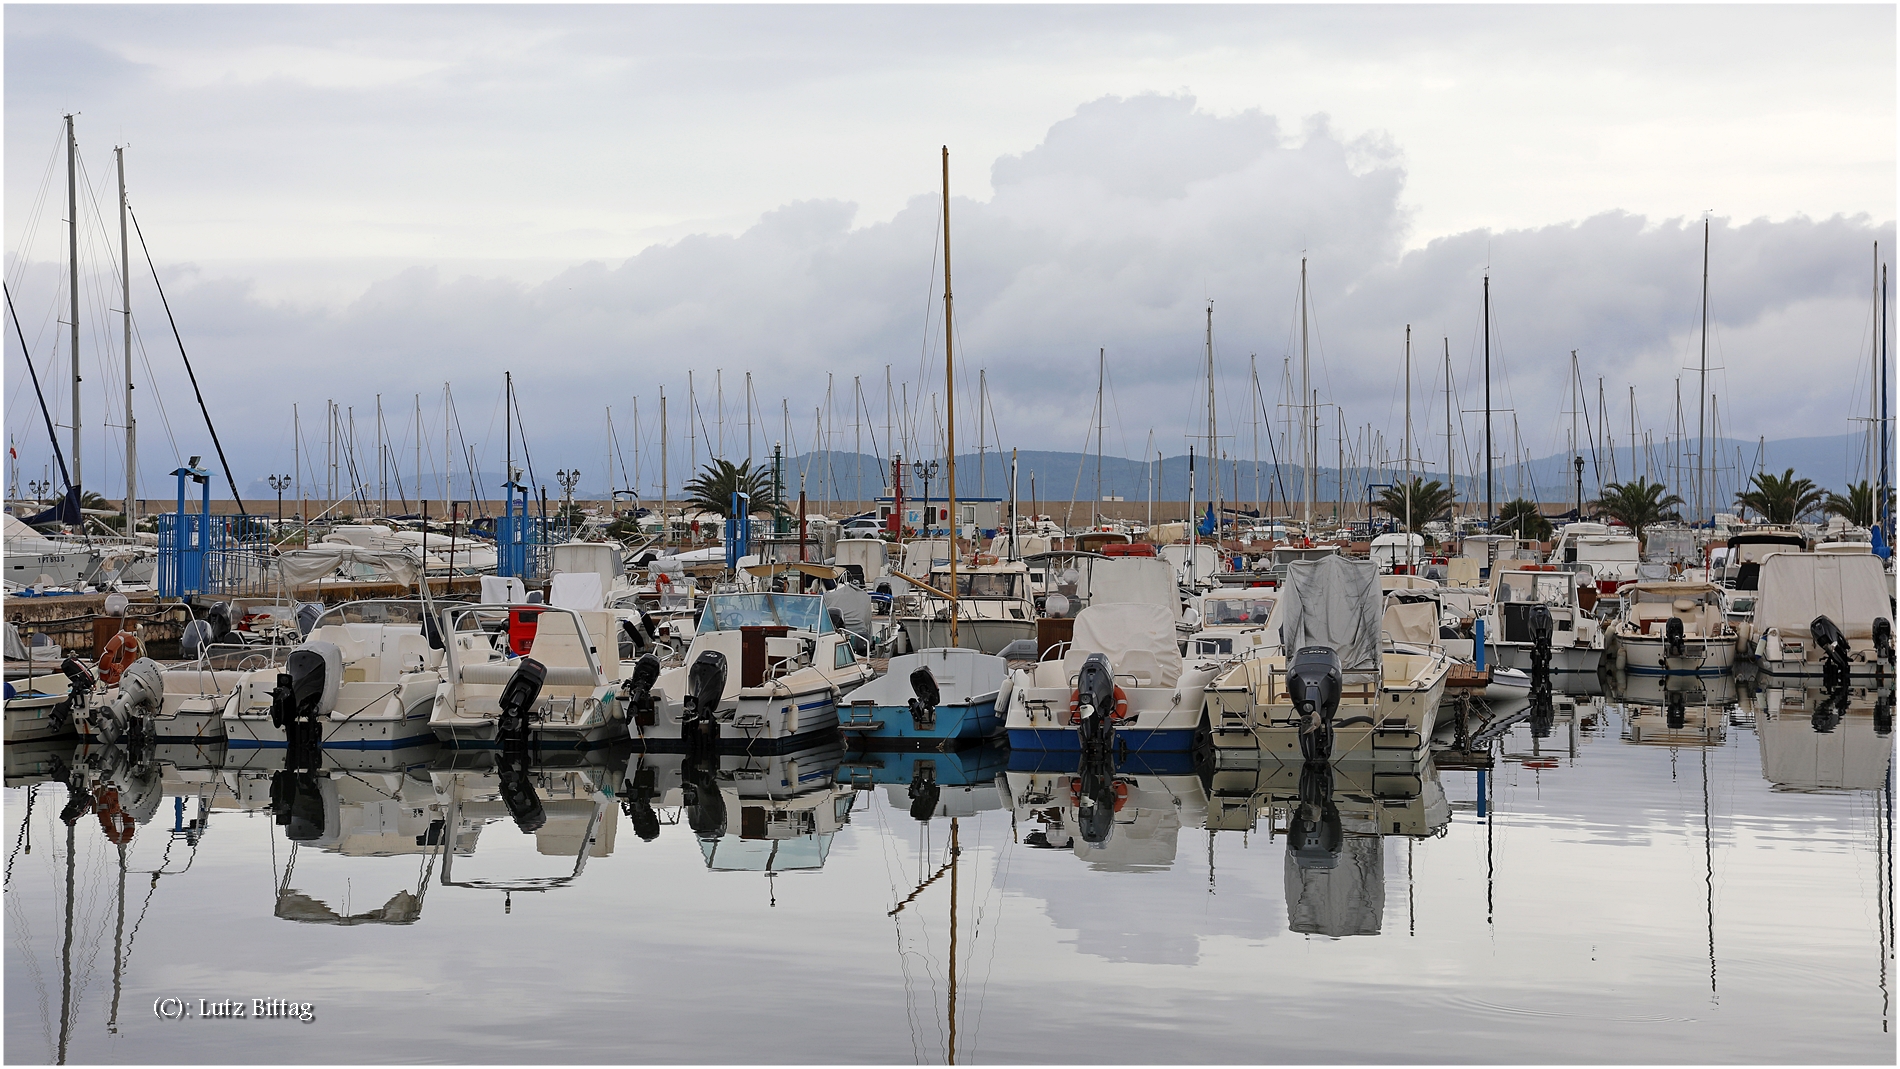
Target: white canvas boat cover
x=302 y=567
x=1414 y=621
x=575 y=590
x=869 y=554
x=503 y=590
x=1147 y=580
x=1850 y=589
x=1334 y=601
x=922 y=555
x=16 y=650
x=1138 y=638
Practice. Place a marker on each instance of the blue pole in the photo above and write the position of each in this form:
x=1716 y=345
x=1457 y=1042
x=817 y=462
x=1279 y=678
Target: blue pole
x=1477 y=645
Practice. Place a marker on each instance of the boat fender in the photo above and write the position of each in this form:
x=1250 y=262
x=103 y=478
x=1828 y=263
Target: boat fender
x=120 y=652
x=1771 y=643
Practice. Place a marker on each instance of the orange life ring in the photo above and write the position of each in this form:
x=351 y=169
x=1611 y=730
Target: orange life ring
x=1075 y=793
x=119 y=653
x=115 y=820
x=1121 y=704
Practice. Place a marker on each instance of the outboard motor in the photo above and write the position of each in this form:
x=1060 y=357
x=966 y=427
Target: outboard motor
x=636 y=800
x=141 y=693
x=638 y=691
x=78 y=799
x=1313 y=681
x=1096 y=798
x=924 y=791
x=80 y=681
x=308 y=613
x=699 y=794
x=1095 y=705
x=699 y=722
x=1315 y=834
x=1883 y=713
x=1674 y=643
x=923 y=707
x=1538 y=621
x=1828 y=713
x=296 y=702
x=517 y=790
x=1676 y=712
x=1883 y=639
x=1828 y=636
x=517 y=701
x=297 y=802
x=219 y=617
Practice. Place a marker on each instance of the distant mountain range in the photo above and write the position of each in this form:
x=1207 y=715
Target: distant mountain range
x=1048 y=477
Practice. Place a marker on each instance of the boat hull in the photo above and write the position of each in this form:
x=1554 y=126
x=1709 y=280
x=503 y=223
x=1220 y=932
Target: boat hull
x=1647 y=655
x=1580 y=659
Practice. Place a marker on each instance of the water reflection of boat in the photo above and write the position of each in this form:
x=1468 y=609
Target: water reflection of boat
x=956 y=784
x=1125 y=816
x=1334 y=820
x=751 y=813
x=1675 y=710
x=567 y=809
x=1813 y=739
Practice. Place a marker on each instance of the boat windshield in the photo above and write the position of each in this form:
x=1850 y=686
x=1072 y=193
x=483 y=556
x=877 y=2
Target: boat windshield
x=1251 y=610
x=981 y=584
x=1551 y=588
x=801 y=612
x=374 y=612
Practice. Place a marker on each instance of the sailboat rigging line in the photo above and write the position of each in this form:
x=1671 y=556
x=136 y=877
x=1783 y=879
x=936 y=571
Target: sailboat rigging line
x=193 y=375
x=514 y=402
x=36 y=212
x=26 y=821
x=44 y=411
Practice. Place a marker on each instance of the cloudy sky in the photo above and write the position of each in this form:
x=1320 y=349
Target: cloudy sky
x=352 y=200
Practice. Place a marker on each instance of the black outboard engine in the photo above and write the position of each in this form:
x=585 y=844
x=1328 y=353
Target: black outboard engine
x=1313 y=681
x=923 y=707
x=1095 y=804
x=80 y=681
x=1883 y=713
x=638 y=691
x=636 y=800
x=517 y=701
x=1538 y=621
x=1833 y=706
x=699 y=722
x=79 y=800
x=1095 y=705
x=1674 y=642
x=296 y=701
x=518 y=793
x=1883 y=639
x=1675 y=712
x=1828 y=636
x=699 y=794
x=308 y=614
x=924 y=791
x=1315 y=834
x=219 y=617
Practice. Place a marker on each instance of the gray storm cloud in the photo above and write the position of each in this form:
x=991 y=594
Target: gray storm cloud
x=1114 y=232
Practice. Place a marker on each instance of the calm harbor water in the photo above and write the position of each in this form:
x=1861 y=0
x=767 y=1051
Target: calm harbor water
x=1618 y=887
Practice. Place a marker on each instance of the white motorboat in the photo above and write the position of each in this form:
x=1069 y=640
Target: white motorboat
x=992 y=608
x=1524 y=597
x=1333 y=689
x=1814 y=610
x=529 y=673
x=1673 y=628
x=368 y=673
x=792 y=669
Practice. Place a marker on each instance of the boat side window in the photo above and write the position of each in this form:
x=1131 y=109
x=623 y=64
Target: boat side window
x=844 y=658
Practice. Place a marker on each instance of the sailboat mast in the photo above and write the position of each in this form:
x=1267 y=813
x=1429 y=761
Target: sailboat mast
x=1451 y=453
x=1211 y=454
x=72 y=281
x=1408 y=444
x=950 y=463
x=1490 y=505
x=663 y=483
x=1306 y=372
x=1885 y=502
x=125 y=311
x=1702 y=393
x=1101 y=380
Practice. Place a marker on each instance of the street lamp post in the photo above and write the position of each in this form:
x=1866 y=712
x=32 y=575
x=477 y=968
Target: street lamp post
x=39 y=488
x=568 y=477
x=279 y=483
x=925 y=471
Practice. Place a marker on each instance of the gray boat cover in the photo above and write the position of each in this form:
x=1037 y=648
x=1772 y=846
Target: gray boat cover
x=302 y=567
x=854 y=605
x=1334 y=601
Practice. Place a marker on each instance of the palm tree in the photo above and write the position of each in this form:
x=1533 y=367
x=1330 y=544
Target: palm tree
x=1637 y=503
x=1856 y=508
x=1430 y=500
x=1524 y=519
x=712 y=489
x=1782 y=498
